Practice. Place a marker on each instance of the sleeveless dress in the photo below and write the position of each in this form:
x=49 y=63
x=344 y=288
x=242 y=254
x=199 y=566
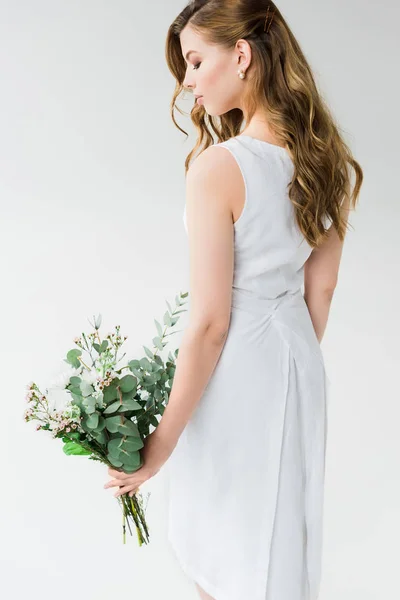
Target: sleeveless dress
x=246 y=478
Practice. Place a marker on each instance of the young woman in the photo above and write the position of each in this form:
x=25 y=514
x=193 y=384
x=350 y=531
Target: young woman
x=245 y=429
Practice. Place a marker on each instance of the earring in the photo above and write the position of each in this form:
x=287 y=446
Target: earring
x=241 y=73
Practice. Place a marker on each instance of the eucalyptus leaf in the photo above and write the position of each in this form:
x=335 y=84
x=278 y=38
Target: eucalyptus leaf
x=110 y=393
x=104 y=346
x=100 y=437
x=136 y=372
x=157 y=342
x=145 y=364
x=101 y=424
x=127 y=383
x=114 y=446
x=92 y=420
x=132 y=460
x=153 y=420
x=159 y=328
x=115 y=462
x=133 y=443
x=112 y=407
x=72 y=357
x=159 y=360
x=128 y=428
x=113 y=424
x=129 y=405
x=148 y=352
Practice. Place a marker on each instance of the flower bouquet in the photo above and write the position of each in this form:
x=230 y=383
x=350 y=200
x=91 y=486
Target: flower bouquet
x=104 y=412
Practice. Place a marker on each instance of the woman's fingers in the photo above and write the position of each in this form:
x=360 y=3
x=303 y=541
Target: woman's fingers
x=127 y=488
x=117 y=474
x=113 y=483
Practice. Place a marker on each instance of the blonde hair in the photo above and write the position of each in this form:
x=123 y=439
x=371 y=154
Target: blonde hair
x=281 y=82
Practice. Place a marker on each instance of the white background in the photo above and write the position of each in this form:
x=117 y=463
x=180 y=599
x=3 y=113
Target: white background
x=92 y=196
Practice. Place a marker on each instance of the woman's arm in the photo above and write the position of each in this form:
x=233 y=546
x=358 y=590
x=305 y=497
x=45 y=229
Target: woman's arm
x=210 y=185
x=321 y=275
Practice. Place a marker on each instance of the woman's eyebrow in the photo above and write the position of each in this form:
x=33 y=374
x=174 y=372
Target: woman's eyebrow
x=188 y=53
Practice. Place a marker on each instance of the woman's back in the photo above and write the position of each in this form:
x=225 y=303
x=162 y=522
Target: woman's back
x=270 y=250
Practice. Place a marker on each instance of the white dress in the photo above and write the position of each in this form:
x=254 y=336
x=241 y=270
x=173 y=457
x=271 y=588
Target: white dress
x=246 y=479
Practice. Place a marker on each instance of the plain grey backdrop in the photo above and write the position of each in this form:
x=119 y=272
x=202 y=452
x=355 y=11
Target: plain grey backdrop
x=92 y=195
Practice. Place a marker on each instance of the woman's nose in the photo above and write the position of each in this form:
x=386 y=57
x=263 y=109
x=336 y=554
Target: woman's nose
x=188 y=84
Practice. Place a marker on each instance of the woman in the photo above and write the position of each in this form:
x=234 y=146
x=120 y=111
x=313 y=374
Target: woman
x=266 y=212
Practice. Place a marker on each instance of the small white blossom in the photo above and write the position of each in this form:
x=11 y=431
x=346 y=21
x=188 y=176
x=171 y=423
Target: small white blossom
x=62 y=379
x=90 y=376
x=144 y=394
x=58 y=399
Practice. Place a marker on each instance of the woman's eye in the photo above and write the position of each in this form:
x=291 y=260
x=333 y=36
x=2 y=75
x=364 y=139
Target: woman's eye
x=196 y=66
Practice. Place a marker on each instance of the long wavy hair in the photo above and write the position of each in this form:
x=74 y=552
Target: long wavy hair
x=281 y=82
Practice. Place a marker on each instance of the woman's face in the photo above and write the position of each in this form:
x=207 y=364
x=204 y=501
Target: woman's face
x=212 y=71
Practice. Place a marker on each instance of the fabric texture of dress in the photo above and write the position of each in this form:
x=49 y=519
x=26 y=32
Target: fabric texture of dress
x=246 y=478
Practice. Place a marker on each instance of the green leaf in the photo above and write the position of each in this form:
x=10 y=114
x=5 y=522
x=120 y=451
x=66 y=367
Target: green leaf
x=75 y=449
x=158 y=343
x=110 y=393
x=100 y=437
x=86 y=388
x=149 y=379
x=169 y=306
x=113 y=424
x=158 y=394
x=159 y=328
x=127 y=383
x=145 y=364
x=133 y=443
x=136 y=372
x=128 y=428
x=89 y=405
x=101 y=424
x=96 y=346
x=135 y=364
x=114 y=446
x=104 y=346
x=132 y=460
x=148 y=352
x=115 y=462
x=129 y=405
x=167 y=319
x=92 y=420
x=112 y=408
x=75 y=381
x=158 y=360
x=72 y=357
x=153 y=420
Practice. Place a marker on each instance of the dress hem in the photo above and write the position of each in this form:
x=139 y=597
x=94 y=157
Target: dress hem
x=208 y=587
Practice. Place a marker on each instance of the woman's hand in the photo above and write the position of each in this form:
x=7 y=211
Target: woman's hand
x=153 y=455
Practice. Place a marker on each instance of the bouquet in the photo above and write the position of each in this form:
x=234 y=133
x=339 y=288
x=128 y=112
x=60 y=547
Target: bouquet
x=104 y=412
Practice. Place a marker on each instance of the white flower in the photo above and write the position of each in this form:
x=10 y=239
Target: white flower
x=58 y=399
x=62 y=379
x=90 y=376
x=144 y=394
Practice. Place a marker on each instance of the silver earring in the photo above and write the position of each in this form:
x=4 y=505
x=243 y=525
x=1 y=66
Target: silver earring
x=241 y=73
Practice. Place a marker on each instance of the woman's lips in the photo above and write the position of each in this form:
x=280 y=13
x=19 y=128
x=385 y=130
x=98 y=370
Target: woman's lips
x=199 y=100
